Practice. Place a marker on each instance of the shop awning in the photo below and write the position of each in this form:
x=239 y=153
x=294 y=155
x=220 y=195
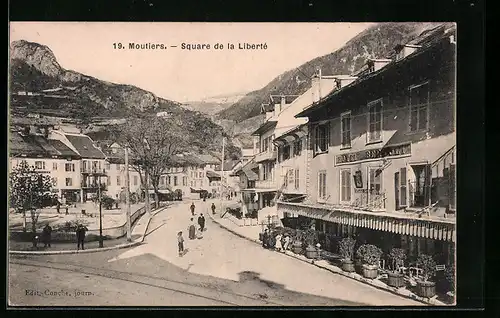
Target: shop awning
x=380 y=221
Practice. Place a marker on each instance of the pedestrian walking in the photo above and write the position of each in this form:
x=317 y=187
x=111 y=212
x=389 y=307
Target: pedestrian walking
x=192 y=230
x=46 y=235
x=67 y=207
x=80 y=236
x=278 y=242
x=58 y=207
x=180 y=243
x=213 y=208
x=192 y=207
x=201 y=222
x=199 y=234
x=286 y=242
x=265 y=239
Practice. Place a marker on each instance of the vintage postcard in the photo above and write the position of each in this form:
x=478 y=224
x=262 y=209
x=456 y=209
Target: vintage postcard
x=232 y=164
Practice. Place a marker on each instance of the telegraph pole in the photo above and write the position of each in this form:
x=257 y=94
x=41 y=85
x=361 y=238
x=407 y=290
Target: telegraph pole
x=127 y=196
x=222 y=172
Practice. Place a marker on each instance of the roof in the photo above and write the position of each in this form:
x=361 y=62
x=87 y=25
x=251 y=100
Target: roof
x=85 y=147
x=211 y=174
x=268 y=125
x=30 y=121
x=208 y=159
x=228 y=165
x=391 y=66
x=39 y=146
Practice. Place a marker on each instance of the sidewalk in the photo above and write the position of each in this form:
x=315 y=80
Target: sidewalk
x=139 y=231
x=251 y=233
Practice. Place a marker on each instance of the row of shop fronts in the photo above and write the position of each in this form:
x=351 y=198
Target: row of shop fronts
x=370 y=155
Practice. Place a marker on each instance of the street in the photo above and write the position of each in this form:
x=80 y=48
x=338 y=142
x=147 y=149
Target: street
x=220 y=269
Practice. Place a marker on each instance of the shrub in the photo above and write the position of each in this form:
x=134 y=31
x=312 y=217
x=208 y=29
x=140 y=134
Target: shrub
x=428 y=266
x=69 y=226
x=107 y=202
x=369 y=254
x=397 y=257
x=346 y=248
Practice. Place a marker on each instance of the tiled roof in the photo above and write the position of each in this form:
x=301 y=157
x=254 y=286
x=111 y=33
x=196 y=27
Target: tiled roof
x=211 y=174
x=19 y=145
x=268 y=125
x=208 y=159
x=85 y=146
x=62 y=149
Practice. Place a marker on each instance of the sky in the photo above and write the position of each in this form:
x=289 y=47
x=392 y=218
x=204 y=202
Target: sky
x=186 y=75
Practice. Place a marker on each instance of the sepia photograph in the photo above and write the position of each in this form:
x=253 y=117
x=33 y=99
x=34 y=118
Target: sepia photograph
x=169 y=164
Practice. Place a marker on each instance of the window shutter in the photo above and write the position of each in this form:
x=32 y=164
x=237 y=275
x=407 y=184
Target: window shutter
x=402 y=188
x=427 y=187
x=396 y=189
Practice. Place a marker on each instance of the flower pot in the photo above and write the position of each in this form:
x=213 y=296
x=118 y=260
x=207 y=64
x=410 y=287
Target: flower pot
x=311 y=252
x=348 y=266
x=426 y=289
x=370 y=271
x=395 y=279
x=297 y=247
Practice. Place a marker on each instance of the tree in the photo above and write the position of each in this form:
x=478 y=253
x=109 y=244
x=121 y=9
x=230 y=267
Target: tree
x=29 y=191
x=152 y=141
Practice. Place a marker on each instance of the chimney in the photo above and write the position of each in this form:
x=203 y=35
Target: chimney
x=316 y=86
x=282 y=103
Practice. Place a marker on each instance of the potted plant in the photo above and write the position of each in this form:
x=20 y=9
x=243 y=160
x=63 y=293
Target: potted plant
x=370 y=256
x=397 y=257
x=426 y=288
x=346 y=249
x=310 y=239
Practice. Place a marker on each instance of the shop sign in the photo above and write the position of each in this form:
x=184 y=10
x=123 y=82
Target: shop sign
x=390 y=151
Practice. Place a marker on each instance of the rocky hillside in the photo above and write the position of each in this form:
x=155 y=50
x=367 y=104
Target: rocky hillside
x=39 y=84
x=34 y=68
x=377 y=42
x=215 y=104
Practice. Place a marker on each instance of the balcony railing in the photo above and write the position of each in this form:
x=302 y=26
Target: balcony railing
x=93 y=185
x=96 y=171
x=269 y=155
x=266 y=184
x=370 y=201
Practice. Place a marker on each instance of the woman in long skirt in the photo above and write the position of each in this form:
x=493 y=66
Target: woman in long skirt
x=192 y=230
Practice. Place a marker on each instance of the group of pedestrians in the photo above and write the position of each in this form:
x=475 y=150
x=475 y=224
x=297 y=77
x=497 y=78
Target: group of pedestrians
x=193 y=231
x=81 y=231
x=276 y=242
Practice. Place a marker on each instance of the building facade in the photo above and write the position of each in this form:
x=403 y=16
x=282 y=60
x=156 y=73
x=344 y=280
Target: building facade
x=382 y=161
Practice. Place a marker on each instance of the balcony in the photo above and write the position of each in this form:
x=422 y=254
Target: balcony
x=93 y=171
x=93 y=185
x=269 y=155
x=266 y=184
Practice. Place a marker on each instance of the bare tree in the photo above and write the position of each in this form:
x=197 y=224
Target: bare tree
x=152 y=141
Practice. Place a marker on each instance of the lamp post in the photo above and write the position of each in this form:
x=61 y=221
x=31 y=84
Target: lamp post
x=101 y=244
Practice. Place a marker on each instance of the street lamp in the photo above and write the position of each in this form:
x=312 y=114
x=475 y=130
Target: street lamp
x=101 y=243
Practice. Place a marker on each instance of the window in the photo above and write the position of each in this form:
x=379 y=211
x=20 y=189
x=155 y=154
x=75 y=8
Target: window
x=322 y=185
x=169 y=179
x=345 y=185
x=40 y=165
x=201 y=183
x=452 y=191
x=69 y=167
x=162 y=180
x=69 y=182
x=374 y=133
x=375 y=180
x=290 y=174
x=54 y=166
x=118 y=180
x=54 y=182
x=107 y=166
x=184 y=181
x=175 y=181
x=286 y=152
x=297 y=183
x=345 y=129
x=297 y=148
x=420 y=188
x=400 y=180
x=135 y=180
x=322 y=138
x=419 y=107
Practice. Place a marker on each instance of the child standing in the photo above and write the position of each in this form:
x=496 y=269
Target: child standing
x=180 y=241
